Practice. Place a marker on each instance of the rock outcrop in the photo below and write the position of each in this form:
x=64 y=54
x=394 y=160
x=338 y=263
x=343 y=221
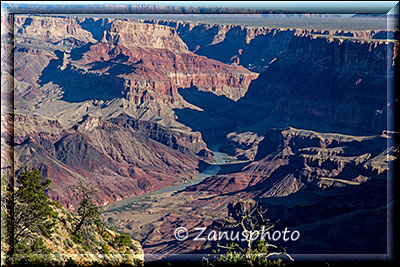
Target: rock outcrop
x=126 y=104
x=290 y=159
x=305 y=179
x=132 y=35
x=36 y=40
x=119 y=161
x=332 y=85
x=149 y=62
x=51 y=29
x=138 y=55
x=186 y=142
x=251 y=46
x=154 y=62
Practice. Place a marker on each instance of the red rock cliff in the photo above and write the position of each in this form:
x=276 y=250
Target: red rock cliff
x=252 y=47
x=159 y=63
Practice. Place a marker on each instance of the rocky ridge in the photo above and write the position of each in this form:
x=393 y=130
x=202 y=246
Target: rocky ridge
x=161 y=66
x=288 y=160
x=119 y=161
x=254 y=47
x=307 y=180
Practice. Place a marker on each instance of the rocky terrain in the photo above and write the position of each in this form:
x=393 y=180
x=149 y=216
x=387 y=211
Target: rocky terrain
x=324 y=181
x=299 y=171
x=65 y=249
x=282 y=102
x=138 y=105
x=117 y=159
x=132 y=64
x=289 y=159
x=251 y=46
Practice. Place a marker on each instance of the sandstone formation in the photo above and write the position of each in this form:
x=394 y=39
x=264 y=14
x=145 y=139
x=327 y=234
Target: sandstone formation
x=159 y=64
x=318 y=83
x=138 y=55
x=250 y=46
x=51 y=29
x=308 y=180
x=119 y=161
x=188 y=143
x=289 y=159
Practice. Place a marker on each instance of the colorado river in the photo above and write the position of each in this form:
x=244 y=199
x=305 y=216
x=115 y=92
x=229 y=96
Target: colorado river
x=213 y=169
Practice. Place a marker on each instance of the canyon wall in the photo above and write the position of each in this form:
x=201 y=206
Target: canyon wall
x=331 y=85
x=250 y=46
x=118 y=161
x=325 y=80
x=312 y=181
x=289 y=160
x=148 y=63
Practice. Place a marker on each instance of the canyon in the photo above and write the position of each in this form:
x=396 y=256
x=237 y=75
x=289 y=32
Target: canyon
x=299 y=119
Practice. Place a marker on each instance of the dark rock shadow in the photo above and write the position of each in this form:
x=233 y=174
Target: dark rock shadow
x=208 y=101
x=115 y=66
x=352 y=212
x=80 y=86
x=96 y=27
x=212 y=122
x=225 y=50
x=27 y=22
x=77 y=53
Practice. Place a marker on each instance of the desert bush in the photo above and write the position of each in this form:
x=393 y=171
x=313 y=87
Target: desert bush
x=105 y=249
x=247 y=217
x=121 y=240
x=35 y=254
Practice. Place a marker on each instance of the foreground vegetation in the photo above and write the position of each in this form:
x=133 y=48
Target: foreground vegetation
x=248 y=217
x=38 y=231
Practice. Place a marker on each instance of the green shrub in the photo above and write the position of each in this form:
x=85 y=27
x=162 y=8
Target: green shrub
x=49 y=225
x=53 y=214
x=257 y=256
x=77 y=238
x=121 y=240
x=71 y=262
x=32 y=254
x=57 y=204
x=105 y=249
x=32 y=207
x=106 y=235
